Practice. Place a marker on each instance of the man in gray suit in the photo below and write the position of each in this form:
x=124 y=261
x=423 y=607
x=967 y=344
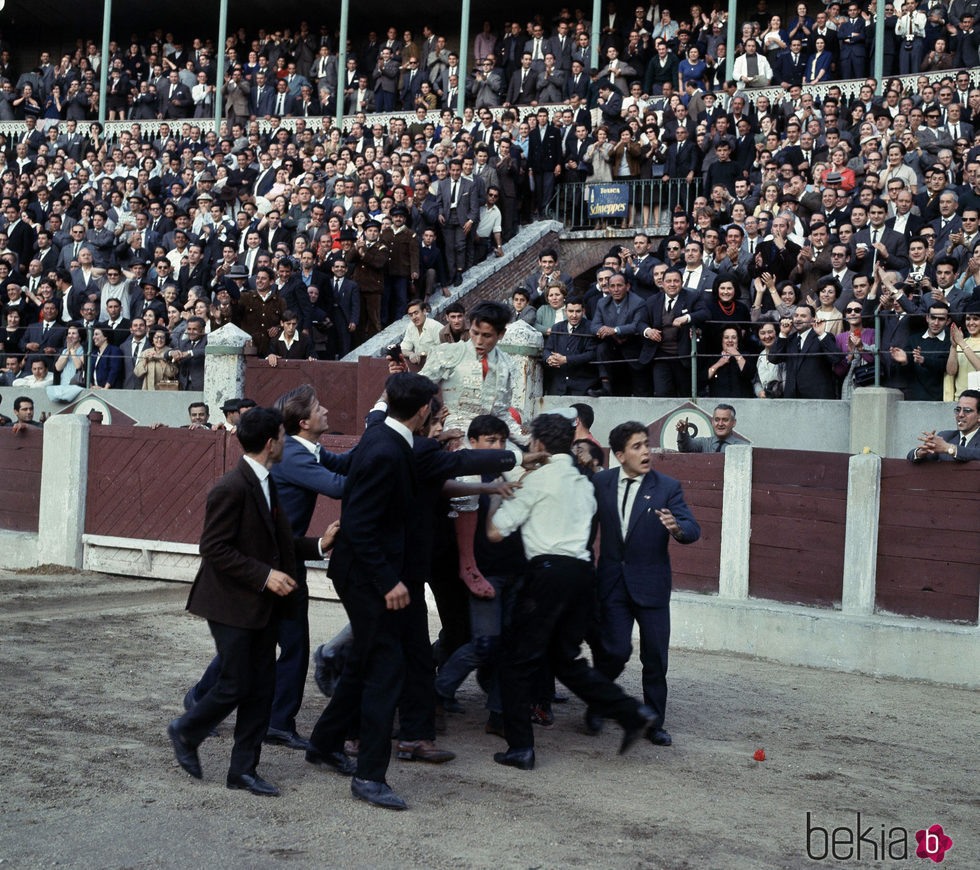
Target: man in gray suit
x=189 y=355
x=458 y=214
x=961 y=444
x=723 y=426
x=618 y=324
x=551 y=81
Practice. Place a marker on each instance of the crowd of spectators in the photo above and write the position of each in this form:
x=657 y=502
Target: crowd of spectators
x=118 y=256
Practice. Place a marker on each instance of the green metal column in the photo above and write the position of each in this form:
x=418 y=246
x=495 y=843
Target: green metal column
x=731 y=38
x=879 y=63
x=464 y=38
x=341 y=64
x=104 y=64
x=219 y=76
x=596 y=32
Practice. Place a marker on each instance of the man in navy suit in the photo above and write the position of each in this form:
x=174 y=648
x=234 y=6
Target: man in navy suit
x=954 y=445
x=46 y=337
x=639 y=512
x=810 y=355
x=790 y=65
x=851 y=34
x=373 y=548
x=300 y=477
x=569 y=353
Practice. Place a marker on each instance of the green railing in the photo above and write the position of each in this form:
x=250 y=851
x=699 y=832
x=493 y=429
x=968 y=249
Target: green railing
x=622 y=203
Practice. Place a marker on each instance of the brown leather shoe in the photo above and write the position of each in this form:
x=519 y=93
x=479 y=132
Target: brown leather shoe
x=423 y=750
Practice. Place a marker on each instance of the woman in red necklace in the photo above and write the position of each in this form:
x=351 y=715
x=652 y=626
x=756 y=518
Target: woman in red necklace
x=723 y=310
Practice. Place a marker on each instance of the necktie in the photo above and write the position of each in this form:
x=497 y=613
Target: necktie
x=718 y=446
x=874 y=237
x=626 y=495
x=670 y=305
x=485 y=365
x=336 y=285
x=47 y=326
x=687 y=278
x=962 y=440
x=452 y=195
x=75 y=252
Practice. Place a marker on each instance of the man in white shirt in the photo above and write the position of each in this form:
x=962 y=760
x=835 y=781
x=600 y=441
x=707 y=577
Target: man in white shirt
x=422 y=336
x=554 y=609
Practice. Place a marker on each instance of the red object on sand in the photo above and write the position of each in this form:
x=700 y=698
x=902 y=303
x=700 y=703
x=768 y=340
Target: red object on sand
x=760 y=755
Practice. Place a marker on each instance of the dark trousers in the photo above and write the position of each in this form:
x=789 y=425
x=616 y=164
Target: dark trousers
x=371 y=682
x=452 y=597
x=384 y=101
x=417 y=704
x=456 y=245
x=553 y=613
x=544 y=190
x=671 y=378
x=246 y=681
x=625 y=378
x=395 y=298
x=617 y=613
x=293 y=638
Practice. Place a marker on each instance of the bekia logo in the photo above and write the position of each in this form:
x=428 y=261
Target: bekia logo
x=870 y=843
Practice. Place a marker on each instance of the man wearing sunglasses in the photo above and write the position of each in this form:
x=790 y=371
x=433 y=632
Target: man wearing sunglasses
x=961 y=444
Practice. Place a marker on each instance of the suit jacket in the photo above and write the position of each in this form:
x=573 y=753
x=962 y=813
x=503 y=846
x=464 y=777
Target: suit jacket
x=378 y=500
x=191 y=373
x=34 y=333
x=300 y=477
x=107 y=370
x=260 y=103
x=241 y=543
x=692 y=302
x=467 y=201
x=178 y=106
x=640 y=559
x=895 y=244
x=954 y=225
x=544 y=151
x=787 y=71
x=963 y=454
x=810 y=371
x=522 y=89
x=130 y=379
x=682 y=159
x=578 y=374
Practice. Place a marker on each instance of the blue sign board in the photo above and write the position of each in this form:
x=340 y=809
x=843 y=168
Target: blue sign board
x=608 y=200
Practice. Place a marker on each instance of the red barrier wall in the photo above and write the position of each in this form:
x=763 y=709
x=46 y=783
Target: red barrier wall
x=695 y=566
x=799 y=507
x=20 y=478
x=929 y=540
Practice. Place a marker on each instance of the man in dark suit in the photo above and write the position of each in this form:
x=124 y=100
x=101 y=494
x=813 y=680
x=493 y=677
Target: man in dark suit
x=544 y=161
x=569 y=353
x=522 y=88
x=366 y=568
x=131 y=349
x=810 y=355
x=683 y=157
x=243 y=588
x=300 y=477
x=619 y=322
x=639 y=512
x=189 y=355
x=176 y=100
x=347 y=305
x=790 y=65
x=667 y=339
x=46 y=337
x=961 y=444
x=458 y=215
x=877 y=244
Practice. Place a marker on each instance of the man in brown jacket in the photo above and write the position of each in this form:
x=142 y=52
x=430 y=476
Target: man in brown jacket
x=370 y=258
x=243 y=588
x=260 y=311
x=403 y=264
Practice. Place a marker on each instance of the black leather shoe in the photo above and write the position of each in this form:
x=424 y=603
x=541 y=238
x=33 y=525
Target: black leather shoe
x=186 y=755
x=336 y=761
x=252 y=782
x=643 y=719
x=659 y=737
x=285 y=738
x=377 y=794
x=522 y=759
x=593 y=723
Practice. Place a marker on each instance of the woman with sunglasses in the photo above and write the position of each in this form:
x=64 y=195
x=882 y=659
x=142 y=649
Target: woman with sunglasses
x=853 y=343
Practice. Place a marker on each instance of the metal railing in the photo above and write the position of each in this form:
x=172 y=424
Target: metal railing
x=622 y=203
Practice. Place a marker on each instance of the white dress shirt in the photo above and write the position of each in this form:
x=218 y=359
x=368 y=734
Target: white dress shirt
x=553 y=510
